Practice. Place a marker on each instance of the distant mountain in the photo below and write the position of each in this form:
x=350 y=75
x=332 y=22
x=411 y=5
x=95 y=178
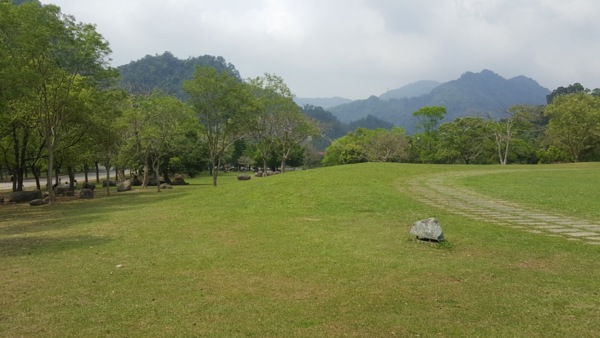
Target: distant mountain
x=484 y=94
x=410 y=90
x=335 y=129
x=167 y=73
x=325 y=102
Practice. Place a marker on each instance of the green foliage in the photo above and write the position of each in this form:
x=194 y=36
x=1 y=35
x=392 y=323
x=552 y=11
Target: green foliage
x=167 y=73
x=466 y=140
x=364 y=145
x=574 y=126
x=56 y=65
x=570 y=89
x=224 y=106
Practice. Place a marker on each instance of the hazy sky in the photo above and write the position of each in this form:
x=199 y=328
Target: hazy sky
x=358 y=48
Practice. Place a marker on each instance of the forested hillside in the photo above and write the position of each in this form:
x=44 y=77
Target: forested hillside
x=484 y=94
x=166 y=72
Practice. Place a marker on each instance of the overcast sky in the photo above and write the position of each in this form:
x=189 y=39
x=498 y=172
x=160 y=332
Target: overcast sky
x=358 y=48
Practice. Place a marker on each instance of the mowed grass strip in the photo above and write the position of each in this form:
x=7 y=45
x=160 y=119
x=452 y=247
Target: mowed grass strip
x=316 y=253
x=568 y=189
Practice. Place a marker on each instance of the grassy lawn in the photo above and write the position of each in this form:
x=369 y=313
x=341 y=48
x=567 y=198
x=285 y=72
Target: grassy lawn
x=316 y=253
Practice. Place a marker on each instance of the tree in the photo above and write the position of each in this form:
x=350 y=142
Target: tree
x=574 y=125
x=64 y=58
x=279 y=124
x=105 y=134
x=571 y=89
x=18 y=136
x=222 y=104
x=425 y=141
x=383 y=145
x=347 y=149
x=505 y=129
x=168 y=119
x=465 y=139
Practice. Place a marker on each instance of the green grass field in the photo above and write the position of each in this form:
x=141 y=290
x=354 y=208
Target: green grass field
x=315 y=253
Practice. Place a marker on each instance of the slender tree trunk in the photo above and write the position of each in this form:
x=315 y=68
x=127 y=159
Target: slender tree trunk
x=71 y=173
x=283 y=159
x=145 y=175
x=155 y=165
x=97 y=172
x=107 y=178
x=36 y=174
x=215 y=171
x=86 y=168
x=49 y=173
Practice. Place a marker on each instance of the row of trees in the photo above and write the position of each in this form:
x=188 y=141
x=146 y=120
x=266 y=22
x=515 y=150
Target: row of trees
x=60 y=108
x=565 y=130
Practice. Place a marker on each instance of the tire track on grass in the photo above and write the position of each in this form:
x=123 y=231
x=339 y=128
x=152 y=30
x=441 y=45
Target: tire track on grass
x=442 y=191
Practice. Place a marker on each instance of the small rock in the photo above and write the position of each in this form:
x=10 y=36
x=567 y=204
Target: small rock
x=37 y=202
x=428 y=229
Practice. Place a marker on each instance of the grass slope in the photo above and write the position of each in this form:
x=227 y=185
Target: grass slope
x=316 y=253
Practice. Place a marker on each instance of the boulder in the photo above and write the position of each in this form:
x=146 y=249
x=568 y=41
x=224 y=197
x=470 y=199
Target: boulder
x=86 y=193
x=124 y=186
x=136 y=181
x=428 y=230
x=110 y=183
x=37 y=202
x=88 y=185
x=166 y=186
x=25 y=196
x=179 y=181
x=244 y=177
x=61 y=190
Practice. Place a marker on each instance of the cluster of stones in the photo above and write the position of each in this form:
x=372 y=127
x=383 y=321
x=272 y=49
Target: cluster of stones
x=37 y=197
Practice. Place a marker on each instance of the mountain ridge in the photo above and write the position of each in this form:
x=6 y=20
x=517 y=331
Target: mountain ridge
x=485 y=94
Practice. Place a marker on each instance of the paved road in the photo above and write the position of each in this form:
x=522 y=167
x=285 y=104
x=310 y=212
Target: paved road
x=441 y=191
x=80 y=177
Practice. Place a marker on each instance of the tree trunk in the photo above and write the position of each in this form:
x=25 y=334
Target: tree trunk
x=97 y=172
x=145 y=176
x=107 y=165
x=86 y=168
x=49 y=173
x=36 y=174
x=215 y=171
x=155 y=164
x=283 y=159
x=71 y=173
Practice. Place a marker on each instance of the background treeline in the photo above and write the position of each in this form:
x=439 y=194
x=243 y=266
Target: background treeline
x=566 y=129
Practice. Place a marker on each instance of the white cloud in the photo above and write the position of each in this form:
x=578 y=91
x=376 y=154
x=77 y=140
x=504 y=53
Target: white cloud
x=356 y=48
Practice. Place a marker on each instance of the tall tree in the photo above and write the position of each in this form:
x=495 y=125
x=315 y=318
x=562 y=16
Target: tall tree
x=574 y=125
x=222 y=104
x=505 y=129
x=66 y=58
x=279 y=124
x=425 y=140
x=570 y=89
x=464 y=140
x=167 y=121
x=384 y=145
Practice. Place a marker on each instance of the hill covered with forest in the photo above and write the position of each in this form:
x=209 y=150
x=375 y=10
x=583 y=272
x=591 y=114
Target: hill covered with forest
x=484 y=94
x=167 y=72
